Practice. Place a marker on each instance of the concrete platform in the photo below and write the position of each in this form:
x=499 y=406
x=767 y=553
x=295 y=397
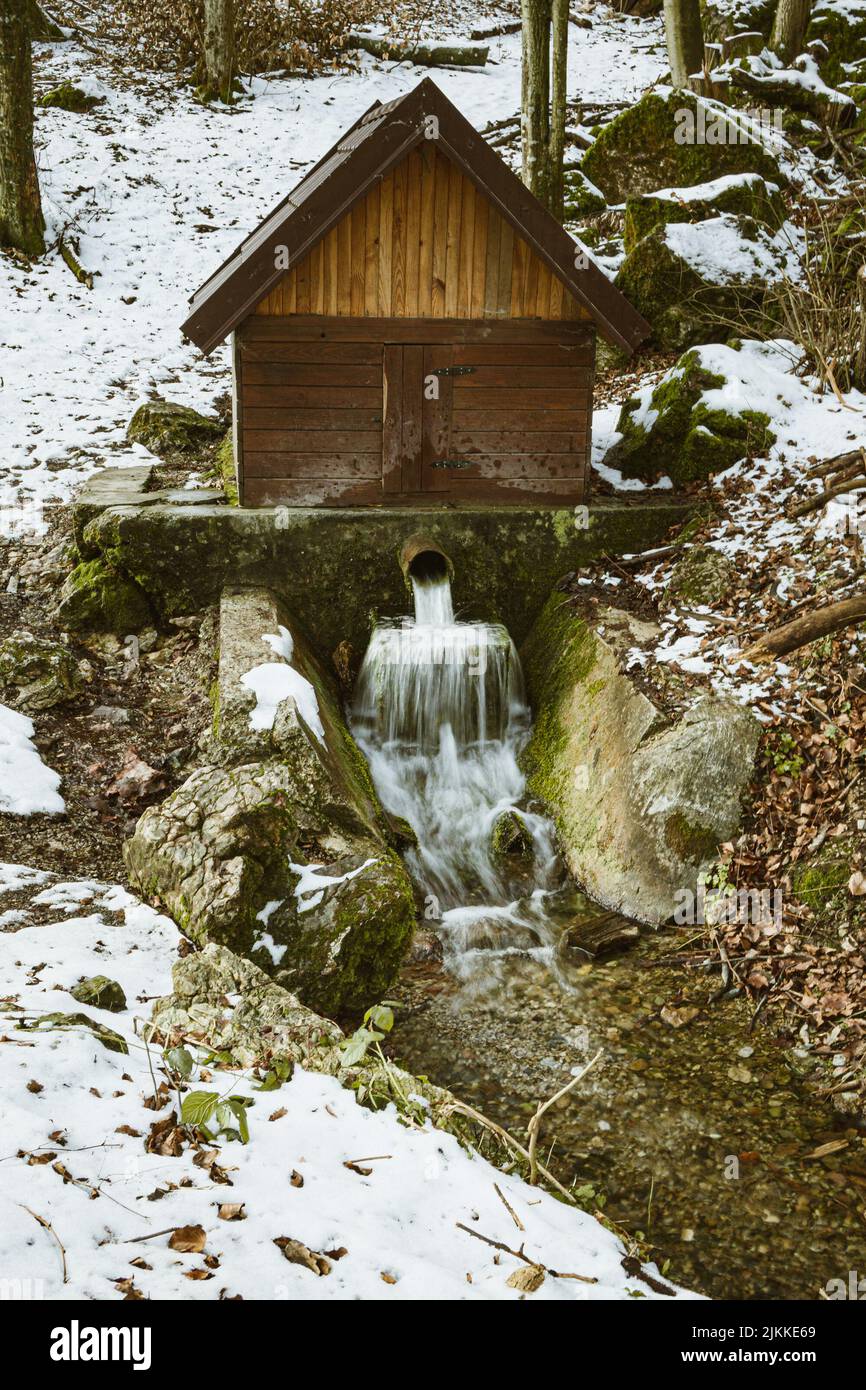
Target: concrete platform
x=339 y=569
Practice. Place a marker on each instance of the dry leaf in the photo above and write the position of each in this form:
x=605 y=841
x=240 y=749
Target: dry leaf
x=34 y=1087
x=297 y=1179
x=197 y=1274
x=387 y=1278
x=189 y=1240
x=298 y=1254
x=278 y=1114
x=232 y=1211
x=857 y=884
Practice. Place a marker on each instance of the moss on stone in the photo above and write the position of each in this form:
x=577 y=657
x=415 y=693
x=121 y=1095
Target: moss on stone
x=97 y=597
x=101 y=993
x=559 y=654
x=690 y=841
x=641 y=150
x=48 y=1022
x=226 y=469
x=821 y=882
x=67 y=97
x=701 y=576
x=346 y=954
x=166 y=428
x=510 y=837
x=686 y=440
x=843 y=32
x=581 y=198
x=752 y=198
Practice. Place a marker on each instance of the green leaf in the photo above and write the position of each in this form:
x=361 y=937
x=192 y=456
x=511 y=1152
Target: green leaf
x=380 y=1016
x=198 y=1107
x=239 y=1106
x=180 y=1060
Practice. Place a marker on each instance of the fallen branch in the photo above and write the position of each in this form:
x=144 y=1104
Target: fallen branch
x=425 y=54
x=807 y=629
x=521 y=1255
x=848 y=462
x=83 y=276
x=812 y=504
x=534 y=1127
x=47 y=1226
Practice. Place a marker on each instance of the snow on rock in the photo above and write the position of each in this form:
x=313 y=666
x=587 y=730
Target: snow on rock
x=70 y=1106
x=275 y=681
x=27 y=786
x=717 y=250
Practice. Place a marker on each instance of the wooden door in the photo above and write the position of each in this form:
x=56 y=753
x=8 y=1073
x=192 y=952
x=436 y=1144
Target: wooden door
x=509 y=421
x=495 y=420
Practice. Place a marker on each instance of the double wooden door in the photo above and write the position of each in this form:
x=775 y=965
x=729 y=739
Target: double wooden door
x=488 y=420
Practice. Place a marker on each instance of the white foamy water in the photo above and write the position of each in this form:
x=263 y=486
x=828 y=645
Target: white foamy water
x=441 y=715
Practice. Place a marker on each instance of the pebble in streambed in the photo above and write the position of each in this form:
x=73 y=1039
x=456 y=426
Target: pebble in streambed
x=695 y=1131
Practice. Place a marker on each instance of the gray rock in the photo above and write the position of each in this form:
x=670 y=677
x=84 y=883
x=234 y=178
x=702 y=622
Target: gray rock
x=265 y=1025
x=702 y=576
x=110 y=714
x=217 y=850
x=641 y=805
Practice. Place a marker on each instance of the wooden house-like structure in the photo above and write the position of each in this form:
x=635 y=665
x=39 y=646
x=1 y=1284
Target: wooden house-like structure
x=410 y=326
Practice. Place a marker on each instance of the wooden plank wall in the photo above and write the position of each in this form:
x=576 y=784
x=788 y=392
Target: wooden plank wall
x=423 y=243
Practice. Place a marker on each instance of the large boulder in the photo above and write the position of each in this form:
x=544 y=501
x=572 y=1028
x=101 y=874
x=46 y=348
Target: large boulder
x=694 y=281
x=641 y=804
x=166 y=428
x=347 y=938
x=654 y=144
x=218 y=850
x=746 y=194
x=42 y=673
x=97 y=598
x=680 y=429
x=701 y=577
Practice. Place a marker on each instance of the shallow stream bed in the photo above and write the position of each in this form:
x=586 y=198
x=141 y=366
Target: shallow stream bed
x=701 y=1136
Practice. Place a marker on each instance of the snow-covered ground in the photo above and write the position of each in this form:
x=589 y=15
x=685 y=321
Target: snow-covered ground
x=159 y=190
x=809 y=422
x=86 y=1212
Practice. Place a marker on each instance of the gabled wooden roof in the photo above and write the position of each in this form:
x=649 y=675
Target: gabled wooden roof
x=370 y=148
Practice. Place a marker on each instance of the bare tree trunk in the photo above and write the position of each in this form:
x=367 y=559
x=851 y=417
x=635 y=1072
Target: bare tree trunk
x=535 y=96
x=559 y=89
x=685 y=39
x=789 y=28
x=21 y=221
x=42 y=26
x=219 y=48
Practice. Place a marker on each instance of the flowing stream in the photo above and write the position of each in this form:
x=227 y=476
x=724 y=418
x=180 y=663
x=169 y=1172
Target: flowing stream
x=697 y=1131
x=441 y=715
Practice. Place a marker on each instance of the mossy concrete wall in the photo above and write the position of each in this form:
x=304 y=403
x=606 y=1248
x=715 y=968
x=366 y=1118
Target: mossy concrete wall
x=338 y=570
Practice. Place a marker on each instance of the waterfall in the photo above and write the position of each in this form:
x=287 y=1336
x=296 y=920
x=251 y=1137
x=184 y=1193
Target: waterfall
x=441 y=715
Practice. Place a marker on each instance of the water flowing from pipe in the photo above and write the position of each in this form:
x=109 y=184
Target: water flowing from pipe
x=441 y=715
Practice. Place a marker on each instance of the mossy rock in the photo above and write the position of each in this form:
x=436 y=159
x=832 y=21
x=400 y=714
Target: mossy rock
x=684 y=438
x=44 y=673
x=67 y=97
x=701 y=577
x=227 y=473
x=101 y=993
x=644 y=149
x=672 y=289
x=345 y=953
x=582 y=198
x=106 y=1036
x=747 y=194
x=166 y=428
x=720 y=18
x=842 y=30
x=96 y=598
x=510 y=837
